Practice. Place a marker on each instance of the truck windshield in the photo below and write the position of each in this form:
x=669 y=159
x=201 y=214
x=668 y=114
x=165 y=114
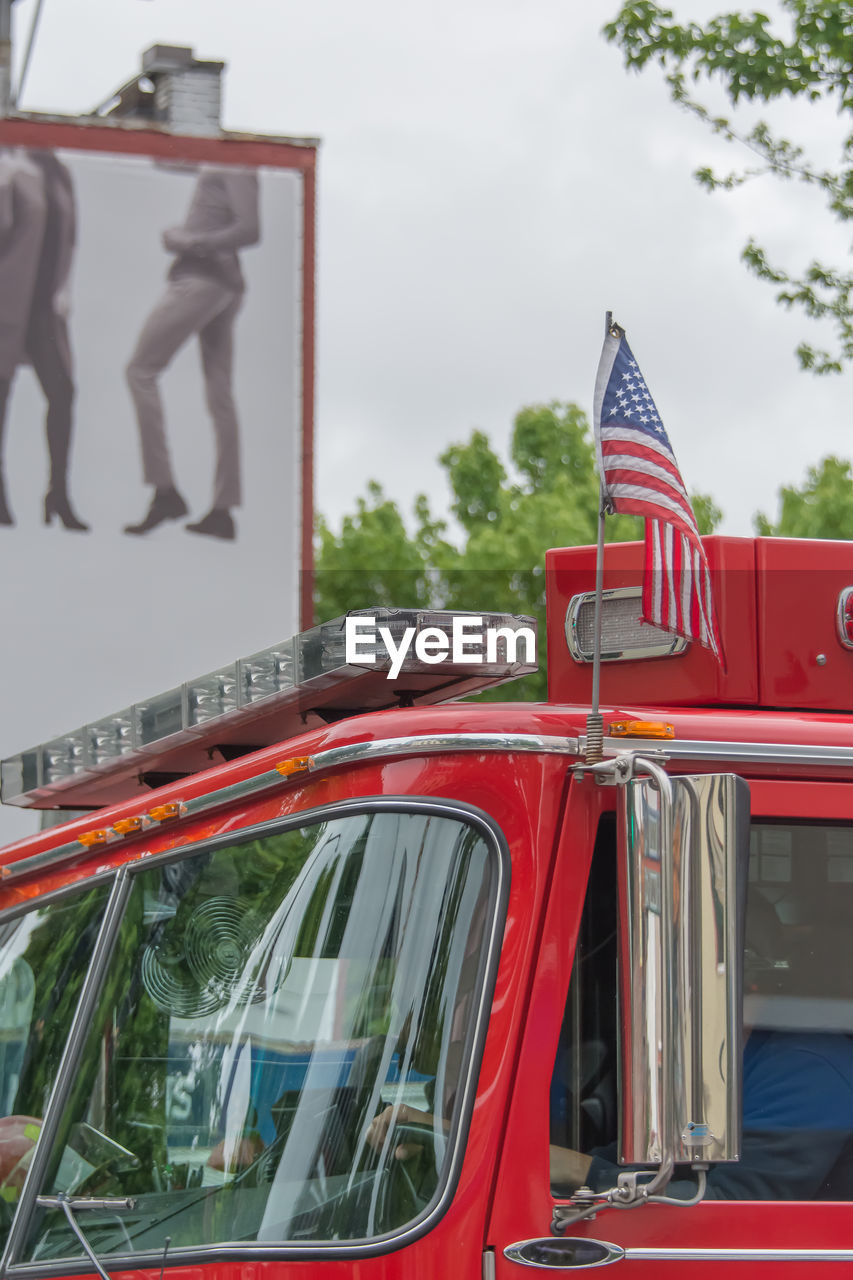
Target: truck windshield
x=281 y=1021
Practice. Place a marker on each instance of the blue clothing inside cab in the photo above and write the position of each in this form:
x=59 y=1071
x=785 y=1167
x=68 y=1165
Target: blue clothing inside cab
x=797 y=1125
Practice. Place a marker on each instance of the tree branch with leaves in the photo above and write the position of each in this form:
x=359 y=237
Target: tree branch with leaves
x=754 y=62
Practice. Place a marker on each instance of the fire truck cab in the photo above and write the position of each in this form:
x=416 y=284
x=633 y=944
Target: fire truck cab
x=340 y=976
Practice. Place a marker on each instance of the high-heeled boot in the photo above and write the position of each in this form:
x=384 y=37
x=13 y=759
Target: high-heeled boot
x=56 y=503
x=6 y=516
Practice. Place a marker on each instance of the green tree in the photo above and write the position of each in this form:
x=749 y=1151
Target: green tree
x=373 y=560
x=821 y=508
x=506 y=522
x=753 y=62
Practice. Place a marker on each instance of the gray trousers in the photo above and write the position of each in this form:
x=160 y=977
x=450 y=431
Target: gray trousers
x=191 y=305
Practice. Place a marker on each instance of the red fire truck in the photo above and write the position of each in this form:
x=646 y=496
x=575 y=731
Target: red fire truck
x=339 y=976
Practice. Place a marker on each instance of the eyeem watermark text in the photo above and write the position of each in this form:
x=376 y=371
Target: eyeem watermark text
x=461 y=642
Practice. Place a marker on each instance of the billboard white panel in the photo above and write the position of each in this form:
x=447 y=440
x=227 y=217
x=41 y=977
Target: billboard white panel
x=156 y=377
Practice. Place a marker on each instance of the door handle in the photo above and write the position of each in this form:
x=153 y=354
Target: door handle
x=562 y=1252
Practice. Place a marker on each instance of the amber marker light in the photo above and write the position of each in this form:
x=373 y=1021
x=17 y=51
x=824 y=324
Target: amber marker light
x=90 y=838
x=163 y=812
x=641 y=729
x=127 y=826
x=295 y=765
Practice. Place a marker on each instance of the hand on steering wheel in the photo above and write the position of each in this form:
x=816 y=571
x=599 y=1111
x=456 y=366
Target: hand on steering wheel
x=416 y=1124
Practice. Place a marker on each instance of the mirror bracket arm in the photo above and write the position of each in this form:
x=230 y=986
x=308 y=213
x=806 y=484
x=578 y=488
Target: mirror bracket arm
x=621 y=768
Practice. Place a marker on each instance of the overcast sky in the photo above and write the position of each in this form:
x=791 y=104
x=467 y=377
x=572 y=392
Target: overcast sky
x=491 y=181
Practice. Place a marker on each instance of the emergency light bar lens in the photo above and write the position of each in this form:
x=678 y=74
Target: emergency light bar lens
x=625 y=636
x=21 y=773
x=63 y=757
x=111 y=738
x=419 y=653
x=159 y=718
x=212 y=695
x=319 y=651
x=266 y=673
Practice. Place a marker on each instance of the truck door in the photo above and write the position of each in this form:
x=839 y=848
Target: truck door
x=786 y=1205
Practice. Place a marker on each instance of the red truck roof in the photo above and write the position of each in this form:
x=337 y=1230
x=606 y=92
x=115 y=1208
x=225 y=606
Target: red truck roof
x=778 y=602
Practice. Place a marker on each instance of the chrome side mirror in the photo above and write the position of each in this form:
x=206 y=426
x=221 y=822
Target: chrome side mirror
x=683 y=856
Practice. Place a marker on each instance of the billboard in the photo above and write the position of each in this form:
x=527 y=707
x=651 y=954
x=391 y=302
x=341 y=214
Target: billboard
x=156 y=413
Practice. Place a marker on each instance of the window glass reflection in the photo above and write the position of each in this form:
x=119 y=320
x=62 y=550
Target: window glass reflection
x=265 y=1003
x=44 y=957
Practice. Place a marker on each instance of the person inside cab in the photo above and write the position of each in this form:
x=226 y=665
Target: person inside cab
x=797 y=1130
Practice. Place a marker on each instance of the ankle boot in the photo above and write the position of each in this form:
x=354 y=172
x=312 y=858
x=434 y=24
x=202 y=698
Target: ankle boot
x=6 y=516
x=56 y=503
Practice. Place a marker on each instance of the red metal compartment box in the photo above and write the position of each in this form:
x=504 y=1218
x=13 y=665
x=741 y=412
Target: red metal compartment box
x=693 y=678
x=803 y=664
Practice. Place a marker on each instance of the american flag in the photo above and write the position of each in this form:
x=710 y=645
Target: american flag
x=640 y=476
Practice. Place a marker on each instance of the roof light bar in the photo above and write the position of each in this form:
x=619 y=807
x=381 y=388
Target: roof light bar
x=625 y=636
x=363 y=661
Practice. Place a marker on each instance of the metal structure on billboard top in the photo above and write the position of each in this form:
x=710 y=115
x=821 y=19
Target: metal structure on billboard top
x=367 y=660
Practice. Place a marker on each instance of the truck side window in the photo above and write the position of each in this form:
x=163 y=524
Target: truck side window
x=798 y=1022
x=583 y=1088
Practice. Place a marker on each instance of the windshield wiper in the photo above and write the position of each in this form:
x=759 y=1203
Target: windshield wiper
x=69 y=1203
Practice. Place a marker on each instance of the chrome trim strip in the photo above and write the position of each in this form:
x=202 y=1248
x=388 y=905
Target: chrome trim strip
x=431 y=744
x=737 y=1255
x=62 y=1267
x=784 y=753
x=789 y=753
x=78 y=1031
x=333 y=758
x=73 y=848
x=25 y=866
x=236 y=791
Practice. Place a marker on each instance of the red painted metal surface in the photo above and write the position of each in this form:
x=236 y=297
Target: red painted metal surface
x=549 y=822
x=693 y=678
x=525 y=796
x=153 y=140
x=804 y=663
x=776 y=600
x=821 y=729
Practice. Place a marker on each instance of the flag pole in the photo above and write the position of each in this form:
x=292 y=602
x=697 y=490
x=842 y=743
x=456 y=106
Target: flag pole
x=594 y=721
x=595 y=724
